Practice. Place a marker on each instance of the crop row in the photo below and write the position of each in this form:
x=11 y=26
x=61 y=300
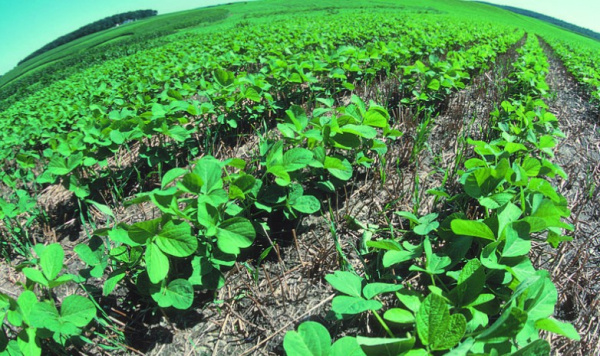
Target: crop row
x=582 y=62
x=212 y=209
x=74 y=131
x=478 y=291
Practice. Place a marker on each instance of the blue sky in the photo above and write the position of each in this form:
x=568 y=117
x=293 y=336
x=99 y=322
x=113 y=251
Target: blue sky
x=27 y=25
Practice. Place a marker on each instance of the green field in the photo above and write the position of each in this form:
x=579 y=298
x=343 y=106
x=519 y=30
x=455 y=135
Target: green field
x=99 y=47
x=304 y=178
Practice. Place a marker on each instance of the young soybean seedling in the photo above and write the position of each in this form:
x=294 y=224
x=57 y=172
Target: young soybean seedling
x=42 y=319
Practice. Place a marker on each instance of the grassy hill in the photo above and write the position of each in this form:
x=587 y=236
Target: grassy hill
x=94 y=49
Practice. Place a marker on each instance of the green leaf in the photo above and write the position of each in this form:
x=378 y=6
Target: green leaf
x=121 y=235
x=506 y=327
x=296 y=159
x=346 y=346
x=531 y=166
x=157 y=263
x=113 y=279
x=408 y=215
x=460 y=350
x=178 y=294
x=393 y=257
x=307 y=204
x=191 y=183
x=178 y=133
x=518 y=240
x=223 y=77
x=555 y=238
x=470 y=283
x=346 y=305
x=45 y=315
x=547 y=214
x=385 y=347
x=399 y=316
x=77 y=310
x=341 y=169
x=86 y=254
x=410 y=299
x=360 y=130
x=51 y=260
x=558 y=327
x=538 y=296
x=181 y=293
x=3 y=341
x=5 y=305
x=97 y=259
x=171 y=175
x=241 y=186
x=374 y=289
x=26 y=301
x=489 y=257
x=28 y=342
x=427 y=224
x=452 y=335
x=433 y=319
x=506 y=215
x=538 y=348
x=281 y=174
x=205 y=274
x=496 y=200
x=208 y=169
x=482 y=182
x=543 y=186
x=346 y=282
x=141 y=231
x=434 y=85
x=234 y=234
x=472 y=228
x=35 y=275
x=65 y=278
x=60 y=166
x=81 y=190
x=512 y=147
x=252 y=94
x=346 y=140
x=376 y=117
x=117 y=137
x=176 y=239
x=434 y=263
x=104 y=209
x=158 y=111
x=311 y=339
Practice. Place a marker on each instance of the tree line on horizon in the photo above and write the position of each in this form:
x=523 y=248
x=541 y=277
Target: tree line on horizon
x=536 y=15
x=97 y=26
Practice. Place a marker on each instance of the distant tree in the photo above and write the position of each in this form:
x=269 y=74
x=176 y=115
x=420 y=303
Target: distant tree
x=94 y=27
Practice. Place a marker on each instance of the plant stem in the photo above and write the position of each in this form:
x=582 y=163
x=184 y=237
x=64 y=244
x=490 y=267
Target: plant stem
x=383 y=324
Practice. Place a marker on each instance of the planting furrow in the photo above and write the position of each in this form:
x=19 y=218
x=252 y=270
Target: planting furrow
x=581 y=62
x=478 y=252
x=579 y=156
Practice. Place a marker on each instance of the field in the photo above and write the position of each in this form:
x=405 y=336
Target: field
x=304 y=178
